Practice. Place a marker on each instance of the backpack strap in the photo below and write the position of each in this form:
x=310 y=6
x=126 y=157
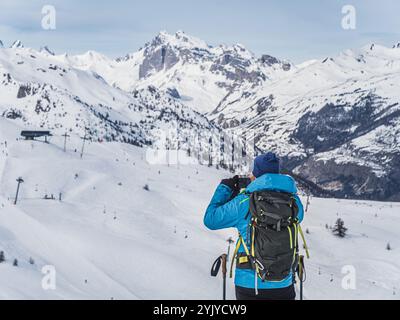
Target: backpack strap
x=239 y=242
x=304 y=241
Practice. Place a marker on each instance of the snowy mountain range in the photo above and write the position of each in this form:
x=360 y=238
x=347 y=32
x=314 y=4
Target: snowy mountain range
x=114 y=226
x=40 y=91
x=335 y=122
x=199 y=74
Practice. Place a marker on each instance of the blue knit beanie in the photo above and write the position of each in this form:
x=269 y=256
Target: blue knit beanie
x=266 y=163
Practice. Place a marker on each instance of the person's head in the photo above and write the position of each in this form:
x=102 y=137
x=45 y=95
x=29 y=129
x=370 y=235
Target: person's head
x=265 y=163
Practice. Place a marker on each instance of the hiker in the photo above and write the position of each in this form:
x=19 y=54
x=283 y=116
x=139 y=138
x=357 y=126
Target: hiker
x=276 y=227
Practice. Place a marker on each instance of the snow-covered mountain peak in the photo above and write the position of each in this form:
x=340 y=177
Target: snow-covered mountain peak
x=17 y=44
x=306 y=64
x=92 y=60
x=202 y=75
x=93 y=56
x=179 y=40
x=46 y=50
x=374 y=49
x=240 y=48
x=237 y=50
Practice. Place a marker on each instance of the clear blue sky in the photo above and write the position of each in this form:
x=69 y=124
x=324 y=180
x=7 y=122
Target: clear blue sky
x=293 y=29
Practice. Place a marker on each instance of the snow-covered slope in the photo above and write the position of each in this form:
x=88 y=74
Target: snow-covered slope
x=108 y=238
x=335 y=121
x=111 y=238
x=37 y=90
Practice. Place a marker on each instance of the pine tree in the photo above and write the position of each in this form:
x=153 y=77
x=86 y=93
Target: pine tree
x=388 y=246
x=339 y=228
x=15 y=263
x=2 y=257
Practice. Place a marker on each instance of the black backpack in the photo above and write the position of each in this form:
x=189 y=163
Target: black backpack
x=271 y=247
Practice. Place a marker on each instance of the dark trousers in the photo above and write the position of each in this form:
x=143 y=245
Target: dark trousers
x=287 y=293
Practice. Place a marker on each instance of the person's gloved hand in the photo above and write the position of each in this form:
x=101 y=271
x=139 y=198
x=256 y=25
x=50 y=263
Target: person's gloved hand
x=233 y=184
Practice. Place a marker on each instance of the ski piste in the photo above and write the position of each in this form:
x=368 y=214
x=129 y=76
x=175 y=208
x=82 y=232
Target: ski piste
x=108 y=223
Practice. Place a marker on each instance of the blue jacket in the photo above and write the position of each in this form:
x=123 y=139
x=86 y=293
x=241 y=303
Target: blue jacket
x=222 y=213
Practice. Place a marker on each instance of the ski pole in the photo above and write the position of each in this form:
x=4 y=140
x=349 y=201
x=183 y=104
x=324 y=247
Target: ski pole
x=301 y=274
x=214 y=271
x=230 y=241
x=223 y=259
